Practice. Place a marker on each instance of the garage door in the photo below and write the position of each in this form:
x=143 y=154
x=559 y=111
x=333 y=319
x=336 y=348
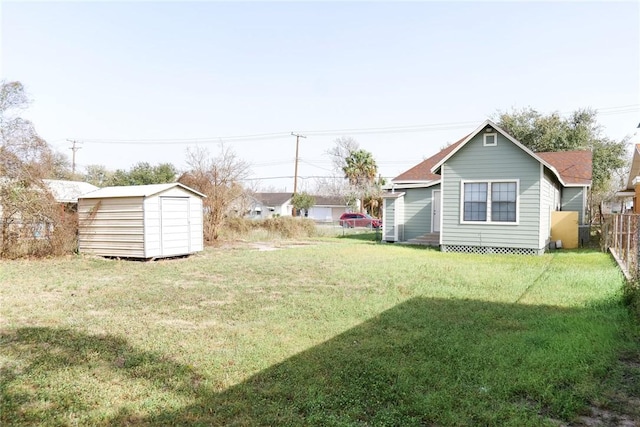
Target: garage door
x=320 y=214
x=174 y=229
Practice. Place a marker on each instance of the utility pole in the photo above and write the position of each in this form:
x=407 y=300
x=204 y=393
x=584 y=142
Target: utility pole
x=73 y=148
x=295 y=175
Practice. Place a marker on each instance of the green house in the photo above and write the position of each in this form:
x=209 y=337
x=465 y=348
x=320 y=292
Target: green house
x=486 y=193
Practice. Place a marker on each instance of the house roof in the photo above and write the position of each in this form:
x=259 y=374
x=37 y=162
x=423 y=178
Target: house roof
x=329 y=201
x=393 y=194
x=575 y=167
x=68 y=191
x=136 y=191
x=273 y=199
x=422 y=171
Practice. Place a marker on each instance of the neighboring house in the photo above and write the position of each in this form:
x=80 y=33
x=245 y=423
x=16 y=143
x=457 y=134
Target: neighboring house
x=327 y=209
x=67 y=192
x=141 y=221
x=632 y=189
x=486 y=193
x=268 y=205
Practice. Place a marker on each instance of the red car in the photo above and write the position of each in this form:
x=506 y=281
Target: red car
x=353 y=219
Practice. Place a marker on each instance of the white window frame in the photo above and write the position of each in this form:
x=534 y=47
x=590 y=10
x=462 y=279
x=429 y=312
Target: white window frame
x=489 y=201
x=490 y=144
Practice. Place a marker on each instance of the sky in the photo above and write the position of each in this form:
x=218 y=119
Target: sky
x=144 y=81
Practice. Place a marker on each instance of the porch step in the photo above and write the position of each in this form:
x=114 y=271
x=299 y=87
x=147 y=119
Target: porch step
x=429 y=239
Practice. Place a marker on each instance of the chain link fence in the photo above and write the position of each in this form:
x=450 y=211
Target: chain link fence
x=620 y=236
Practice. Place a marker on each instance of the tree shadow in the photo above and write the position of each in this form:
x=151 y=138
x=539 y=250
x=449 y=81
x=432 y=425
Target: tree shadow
x=422 y=362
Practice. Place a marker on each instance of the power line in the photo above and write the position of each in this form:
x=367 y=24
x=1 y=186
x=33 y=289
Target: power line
x=430 y=127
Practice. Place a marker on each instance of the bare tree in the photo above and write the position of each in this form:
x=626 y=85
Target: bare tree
x=330 y=186
x=30 y=217
x=339 y=153
x=219 y=178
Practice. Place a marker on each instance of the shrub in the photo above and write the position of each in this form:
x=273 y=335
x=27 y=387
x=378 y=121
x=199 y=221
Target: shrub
x=276 y=227
x=632 y=297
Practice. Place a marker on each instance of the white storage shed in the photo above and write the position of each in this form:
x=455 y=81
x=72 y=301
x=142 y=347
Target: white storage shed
x=141 y=221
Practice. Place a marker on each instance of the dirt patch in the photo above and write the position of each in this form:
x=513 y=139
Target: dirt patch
x=622 y=408
x=605 y=418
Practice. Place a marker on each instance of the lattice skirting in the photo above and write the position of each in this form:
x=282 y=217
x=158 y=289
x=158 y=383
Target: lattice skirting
x=490 y=250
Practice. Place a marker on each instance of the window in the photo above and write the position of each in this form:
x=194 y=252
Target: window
x=503 y=201
x=475 y=201
x=490 y=201
x=490 y=139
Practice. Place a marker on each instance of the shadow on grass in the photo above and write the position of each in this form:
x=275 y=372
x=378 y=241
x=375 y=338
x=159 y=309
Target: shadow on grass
x=423 y=362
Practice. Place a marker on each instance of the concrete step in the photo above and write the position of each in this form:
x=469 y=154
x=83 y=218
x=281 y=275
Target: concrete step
x=430 y=239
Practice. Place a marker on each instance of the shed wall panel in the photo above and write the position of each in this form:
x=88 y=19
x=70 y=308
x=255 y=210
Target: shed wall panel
x=111 y=227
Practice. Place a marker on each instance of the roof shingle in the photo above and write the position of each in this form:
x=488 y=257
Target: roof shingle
x=422 y=171
x=574 y=167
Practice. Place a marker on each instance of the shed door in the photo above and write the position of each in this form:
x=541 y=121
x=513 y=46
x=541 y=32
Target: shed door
x=174 y=225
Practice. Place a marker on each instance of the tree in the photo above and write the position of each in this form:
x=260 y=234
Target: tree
x=336 y=185
x=29 y=213
x=373 y=199
x=142 y=173
x=360 y=170
x=98 y=175
x=580 y=131
x=219 y=178
x=302 y=201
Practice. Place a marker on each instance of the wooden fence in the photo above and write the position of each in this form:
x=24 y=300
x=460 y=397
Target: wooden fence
x=620 y=236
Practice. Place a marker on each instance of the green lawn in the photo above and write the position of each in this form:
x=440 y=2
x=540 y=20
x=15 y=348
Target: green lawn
x=336 y=332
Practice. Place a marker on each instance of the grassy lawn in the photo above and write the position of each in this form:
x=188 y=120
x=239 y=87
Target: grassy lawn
x=338 y=332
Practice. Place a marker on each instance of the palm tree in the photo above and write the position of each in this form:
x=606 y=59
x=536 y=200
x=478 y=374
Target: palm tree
x=361 y=170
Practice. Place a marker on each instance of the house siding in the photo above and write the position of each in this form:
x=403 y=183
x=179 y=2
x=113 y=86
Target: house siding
x=504 y=161
x=549 y=202
x=388 y=220
x=418 y=203
x=111 y=227
x=573 y=199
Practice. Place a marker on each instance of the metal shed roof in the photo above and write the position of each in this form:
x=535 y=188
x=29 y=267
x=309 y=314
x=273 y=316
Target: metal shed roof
x=136 y=191
x=68 y=191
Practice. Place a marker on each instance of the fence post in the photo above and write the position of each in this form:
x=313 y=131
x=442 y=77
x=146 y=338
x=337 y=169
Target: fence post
x=614 y=227
x=636 y=268
x=628 y=249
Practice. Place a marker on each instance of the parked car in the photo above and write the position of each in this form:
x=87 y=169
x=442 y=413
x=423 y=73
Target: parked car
x=352 y=219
